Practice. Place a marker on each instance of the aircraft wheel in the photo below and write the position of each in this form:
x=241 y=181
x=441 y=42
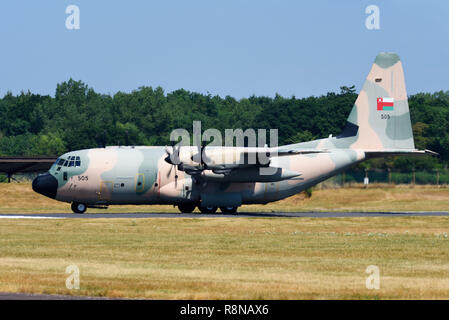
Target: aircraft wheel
x=209 y=209
x=186 y=207
x=79 y=207
x=229 y=209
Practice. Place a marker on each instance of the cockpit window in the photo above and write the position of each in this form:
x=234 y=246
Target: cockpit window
x=72 y=161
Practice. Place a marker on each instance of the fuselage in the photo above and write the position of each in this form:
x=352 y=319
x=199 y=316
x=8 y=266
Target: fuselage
x=139 y=175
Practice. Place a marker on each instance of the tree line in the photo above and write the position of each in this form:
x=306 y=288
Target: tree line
x=77 y=117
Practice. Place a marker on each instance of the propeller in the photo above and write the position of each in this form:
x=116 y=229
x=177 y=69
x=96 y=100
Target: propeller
x=172 y=158
x=201 y=157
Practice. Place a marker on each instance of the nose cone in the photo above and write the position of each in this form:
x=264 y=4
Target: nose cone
x=46 y=184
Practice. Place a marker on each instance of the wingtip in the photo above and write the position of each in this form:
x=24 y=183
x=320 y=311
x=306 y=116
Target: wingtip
x=432 y=153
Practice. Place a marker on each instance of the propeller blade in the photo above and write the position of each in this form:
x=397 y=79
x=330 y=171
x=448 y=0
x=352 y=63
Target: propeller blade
x=169 y=171
x=201 y=157
x=172 y=155
x=168 y=150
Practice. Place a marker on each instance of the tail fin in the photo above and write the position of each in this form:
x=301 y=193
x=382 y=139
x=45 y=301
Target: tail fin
x=380 y=116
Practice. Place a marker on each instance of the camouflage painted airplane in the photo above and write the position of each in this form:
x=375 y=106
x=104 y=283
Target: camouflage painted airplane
x=379 y=125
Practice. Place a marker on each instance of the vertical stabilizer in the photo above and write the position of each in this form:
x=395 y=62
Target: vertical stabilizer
x=381 y=110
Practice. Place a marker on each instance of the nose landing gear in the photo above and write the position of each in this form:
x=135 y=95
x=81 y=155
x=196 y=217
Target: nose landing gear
x=79 y=207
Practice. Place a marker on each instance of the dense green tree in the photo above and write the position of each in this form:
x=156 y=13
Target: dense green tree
x=77 y=117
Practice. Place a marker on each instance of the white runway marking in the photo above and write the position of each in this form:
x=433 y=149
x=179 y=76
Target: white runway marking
x=28 y=217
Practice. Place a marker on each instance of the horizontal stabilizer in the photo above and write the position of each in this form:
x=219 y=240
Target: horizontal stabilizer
x=293 y=151
x=400 y=152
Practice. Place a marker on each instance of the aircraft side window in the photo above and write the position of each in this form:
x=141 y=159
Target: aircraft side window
x=71 y=163
x=60 y=162
x=77 y=163
x=65 y=163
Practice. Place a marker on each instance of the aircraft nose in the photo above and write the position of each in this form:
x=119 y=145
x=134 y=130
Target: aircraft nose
x=46 y=184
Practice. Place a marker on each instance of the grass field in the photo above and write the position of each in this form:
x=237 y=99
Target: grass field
x=229 y=258
x=233 y=258
x=20 y=198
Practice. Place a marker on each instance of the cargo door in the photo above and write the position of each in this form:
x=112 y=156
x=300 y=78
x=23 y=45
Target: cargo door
x=104 y=194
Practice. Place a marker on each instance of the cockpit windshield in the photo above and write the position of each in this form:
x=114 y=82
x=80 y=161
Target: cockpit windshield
x=72 y=161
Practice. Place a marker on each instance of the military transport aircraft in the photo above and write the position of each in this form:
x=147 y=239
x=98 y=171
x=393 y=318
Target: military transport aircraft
x=378 y=125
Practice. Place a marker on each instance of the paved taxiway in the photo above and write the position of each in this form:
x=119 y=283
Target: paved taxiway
x=219 y=215
x=31 y=296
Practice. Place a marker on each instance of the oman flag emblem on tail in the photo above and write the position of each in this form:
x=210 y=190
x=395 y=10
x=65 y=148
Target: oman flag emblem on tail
x=385 y=104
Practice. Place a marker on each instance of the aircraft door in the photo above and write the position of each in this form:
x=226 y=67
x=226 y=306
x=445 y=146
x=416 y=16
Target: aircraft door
x=104 y=195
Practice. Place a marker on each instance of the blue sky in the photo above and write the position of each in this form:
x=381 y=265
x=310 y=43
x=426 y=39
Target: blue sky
x=232 y=47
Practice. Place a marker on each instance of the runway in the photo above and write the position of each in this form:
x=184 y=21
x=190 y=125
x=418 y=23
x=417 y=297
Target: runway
x=139 y=215
x=32 y=296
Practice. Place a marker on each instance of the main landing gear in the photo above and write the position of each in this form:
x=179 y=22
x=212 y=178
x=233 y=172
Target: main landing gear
x=79 y=207
x=210 y=209
x=186 y=207
x=228 y=209
x=189 y=207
